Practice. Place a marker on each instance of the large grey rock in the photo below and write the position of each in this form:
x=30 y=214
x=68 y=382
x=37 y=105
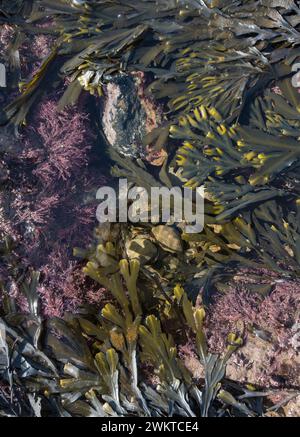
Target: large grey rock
x=128 y=114
x=124 y=118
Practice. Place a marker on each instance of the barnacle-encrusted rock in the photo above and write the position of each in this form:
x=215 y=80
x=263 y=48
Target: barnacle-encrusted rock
x=168 y=238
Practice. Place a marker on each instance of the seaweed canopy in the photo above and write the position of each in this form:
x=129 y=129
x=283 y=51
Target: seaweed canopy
x=213 y=53
x=210 y=62
x=249 y=171
x=94 y=365
x=213 y=65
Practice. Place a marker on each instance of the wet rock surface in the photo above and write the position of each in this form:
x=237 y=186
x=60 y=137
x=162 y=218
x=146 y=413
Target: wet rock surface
x=124 y=118
x=270 y=354
x=292 y=408
x=258 y=362
x=128 y=115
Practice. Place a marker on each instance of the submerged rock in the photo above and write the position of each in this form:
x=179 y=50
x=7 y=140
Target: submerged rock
x=128 y=115
x=142 y=249
x=168 y=238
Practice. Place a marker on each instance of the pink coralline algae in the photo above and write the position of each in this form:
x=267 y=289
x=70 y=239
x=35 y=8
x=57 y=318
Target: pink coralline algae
x=270 y=327
x=6 y=35
x=63 y=142
x=33 y=51
x=47 y=212
x=37 y=212
x=276 y=313
x=64 y=287
x=54 y=160
x=41 y=46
